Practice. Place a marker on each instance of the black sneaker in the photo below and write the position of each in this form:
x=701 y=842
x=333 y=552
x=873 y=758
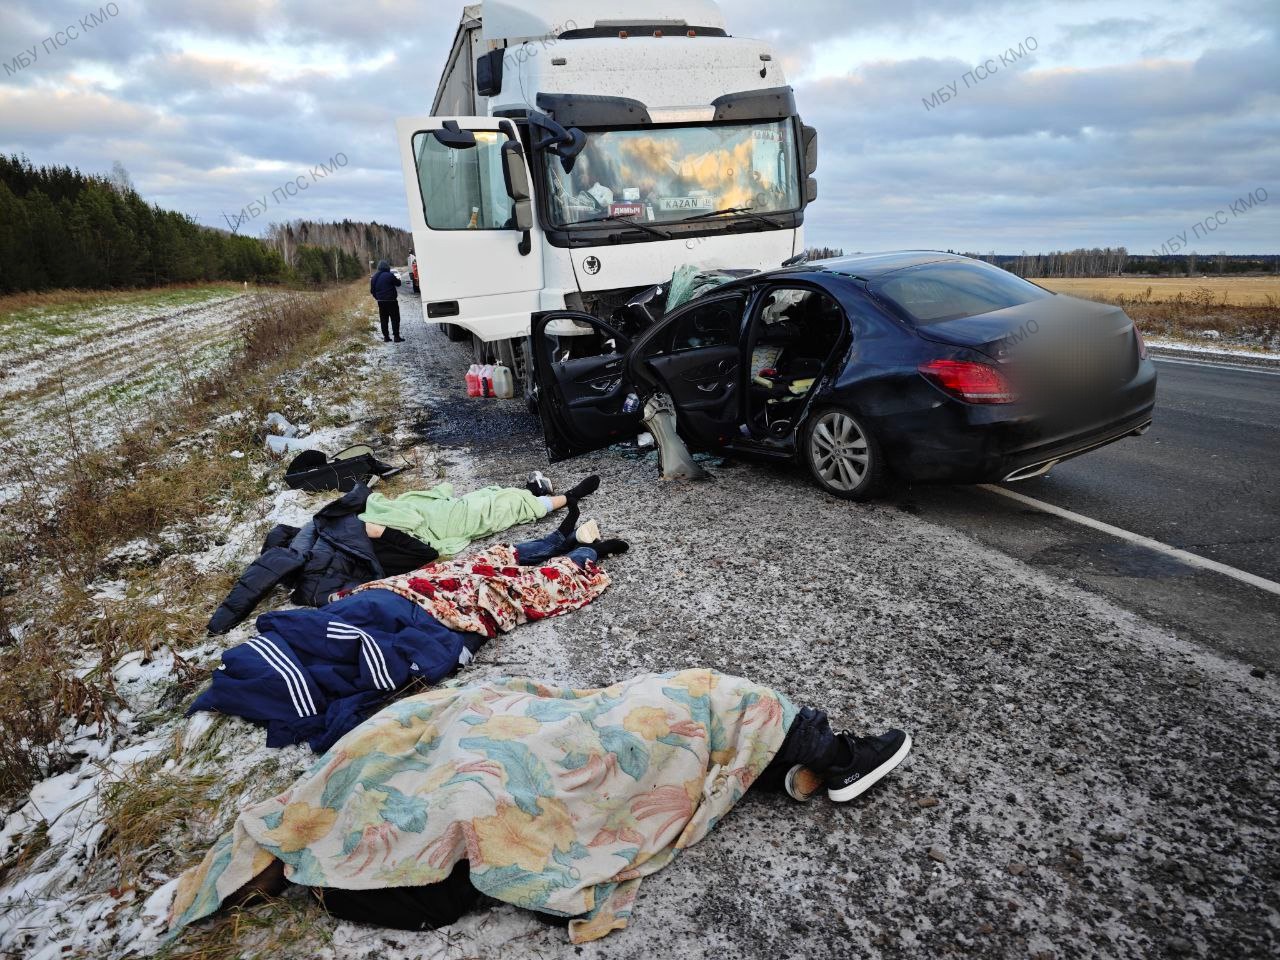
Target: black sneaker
x=870 y=759
x=539 y=485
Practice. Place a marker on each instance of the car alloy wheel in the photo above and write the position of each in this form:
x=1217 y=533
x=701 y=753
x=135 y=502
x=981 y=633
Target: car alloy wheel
x=843 y=456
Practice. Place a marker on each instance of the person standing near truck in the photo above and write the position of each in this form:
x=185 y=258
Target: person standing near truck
x=382 y=286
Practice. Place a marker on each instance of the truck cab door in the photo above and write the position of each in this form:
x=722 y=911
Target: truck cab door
x=471 y=212
x=579 y=366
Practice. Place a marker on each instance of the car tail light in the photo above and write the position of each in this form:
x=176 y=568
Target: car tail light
x=970 y=382
x=1142 y=342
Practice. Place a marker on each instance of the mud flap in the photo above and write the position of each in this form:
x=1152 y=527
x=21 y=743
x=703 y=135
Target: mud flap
x=674 y=460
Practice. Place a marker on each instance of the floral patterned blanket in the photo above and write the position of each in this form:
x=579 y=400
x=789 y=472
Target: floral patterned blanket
x=489 y=592
x=561 y=800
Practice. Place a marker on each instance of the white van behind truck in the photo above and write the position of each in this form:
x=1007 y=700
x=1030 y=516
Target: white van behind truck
x=580 y=152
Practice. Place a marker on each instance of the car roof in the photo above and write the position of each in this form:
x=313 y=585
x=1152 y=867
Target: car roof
x=862 y=266
x=873 y=266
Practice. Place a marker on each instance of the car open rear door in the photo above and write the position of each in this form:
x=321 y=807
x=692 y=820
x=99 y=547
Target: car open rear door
x=470 y=208
x=583 y=389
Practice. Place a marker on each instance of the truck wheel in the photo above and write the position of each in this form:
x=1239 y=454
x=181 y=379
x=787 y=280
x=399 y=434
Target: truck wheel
x=456 y=333
x=843 y=456
x=505 y=350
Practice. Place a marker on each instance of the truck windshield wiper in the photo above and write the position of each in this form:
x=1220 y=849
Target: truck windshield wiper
x=630 y=223
x=737 y=211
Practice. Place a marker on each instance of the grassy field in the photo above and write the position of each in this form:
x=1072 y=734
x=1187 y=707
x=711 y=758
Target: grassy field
x=56 y=313
x=1235 y=311
x=1221 y=291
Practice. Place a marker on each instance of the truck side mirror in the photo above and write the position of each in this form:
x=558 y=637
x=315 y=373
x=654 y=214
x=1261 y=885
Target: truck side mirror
x=516 y=174
x=454 y=137
x=565 y=144
x=810 y=190
x=810 y=138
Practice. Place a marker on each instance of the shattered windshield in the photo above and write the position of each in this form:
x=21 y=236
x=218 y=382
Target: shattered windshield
x=668 y=174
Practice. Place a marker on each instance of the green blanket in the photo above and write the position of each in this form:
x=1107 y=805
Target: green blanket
x=561 y=800
x=450 y=523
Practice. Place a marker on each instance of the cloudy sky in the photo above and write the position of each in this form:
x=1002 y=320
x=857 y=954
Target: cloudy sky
x=1130 y=122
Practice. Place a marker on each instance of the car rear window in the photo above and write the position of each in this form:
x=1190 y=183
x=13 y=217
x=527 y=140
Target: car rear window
x=953 y=290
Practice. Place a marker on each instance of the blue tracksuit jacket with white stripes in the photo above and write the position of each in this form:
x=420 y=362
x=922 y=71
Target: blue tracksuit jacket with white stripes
x=316 y=674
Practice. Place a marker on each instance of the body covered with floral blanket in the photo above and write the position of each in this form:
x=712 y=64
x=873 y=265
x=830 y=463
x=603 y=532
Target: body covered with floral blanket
x=560 y=800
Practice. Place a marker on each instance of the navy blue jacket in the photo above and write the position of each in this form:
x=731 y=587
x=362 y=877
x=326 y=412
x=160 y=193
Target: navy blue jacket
x=315 y=675
x=383 y=285
x=331 y=553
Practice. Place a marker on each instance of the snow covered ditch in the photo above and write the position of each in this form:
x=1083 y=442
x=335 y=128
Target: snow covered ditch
x=59 y=894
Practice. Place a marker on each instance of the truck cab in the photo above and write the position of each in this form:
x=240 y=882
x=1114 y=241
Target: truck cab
x=580 y=152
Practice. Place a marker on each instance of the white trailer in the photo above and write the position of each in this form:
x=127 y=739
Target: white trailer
x=579 y=152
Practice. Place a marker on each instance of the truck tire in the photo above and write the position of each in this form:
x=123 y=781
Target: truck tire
x=456 y=333
x=505 y=350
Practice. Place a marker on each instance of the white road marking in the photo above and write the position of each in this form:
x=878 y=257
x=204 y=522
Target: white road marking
x=1190 y=559
x=1218 y=366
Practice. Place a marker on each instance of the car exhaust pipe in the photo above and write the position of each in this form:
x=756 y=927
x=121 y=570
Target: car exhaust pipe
x=674 y=460
x=1031 y=472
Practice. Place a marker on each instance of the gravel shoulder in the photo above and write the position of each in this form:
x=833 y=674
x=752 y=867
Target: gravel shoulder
x=1083 y=783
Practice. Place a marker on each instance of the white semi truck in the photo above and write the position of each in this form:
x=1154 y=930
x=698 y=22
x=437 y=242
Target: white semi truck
x=579 y=152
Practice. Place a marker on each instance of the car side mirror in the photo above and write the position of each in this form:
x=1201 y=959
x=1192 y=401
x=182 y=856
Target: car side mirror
x=516 y=174
x=454 y=137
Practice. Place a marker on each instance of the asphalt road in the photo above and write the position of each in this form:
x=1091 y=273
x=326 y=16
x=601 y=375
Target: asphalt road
x=1203 y=479
x=1206 y=478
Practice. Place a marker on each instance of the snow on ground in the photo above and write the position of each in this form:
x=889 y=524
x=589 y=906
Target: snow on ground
x=1083 y=783
x=61 y=902
x=84 y=386
x=1212 y=349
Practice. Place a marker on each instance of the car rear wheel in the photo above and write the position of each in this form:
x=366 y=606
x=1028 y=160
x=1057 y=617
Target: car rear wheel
x=843 y=455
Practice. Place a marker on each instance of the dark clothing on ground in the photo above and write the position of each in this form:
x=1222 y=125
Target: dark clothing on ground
x=315 y=675
x=399 y=553
x=555 y=544
x=382 y=285
x=406 y=908
x=389 y=310
x=331 y=553
x=810 y=743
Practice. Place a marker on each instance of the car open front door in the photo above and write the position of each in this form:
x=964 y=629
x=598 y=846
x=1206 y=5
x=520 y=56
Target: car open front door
x=579 y=367
x=470 y=208
x=695 y=357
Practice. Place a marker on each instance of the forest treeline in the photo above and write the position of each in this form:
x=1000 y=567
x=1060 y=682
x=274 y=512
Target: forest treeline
x=1114 y=261
x=311 y=247
x=60 y=228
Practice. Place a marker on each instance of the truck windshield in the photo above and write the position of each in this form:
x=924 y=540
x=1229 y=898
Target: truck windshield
x=662 y=175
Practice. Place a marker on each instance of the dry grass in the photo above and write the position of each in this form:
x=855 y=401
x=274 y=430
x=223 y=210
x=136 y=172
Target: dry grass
x=290 y=926
x=1241 y=311
x=143 y=809
x=171 y=468
x=1221 y=291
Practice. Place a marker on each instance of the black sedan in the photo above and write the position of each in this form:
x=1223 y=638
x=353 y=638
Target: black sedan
x=924 y=366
